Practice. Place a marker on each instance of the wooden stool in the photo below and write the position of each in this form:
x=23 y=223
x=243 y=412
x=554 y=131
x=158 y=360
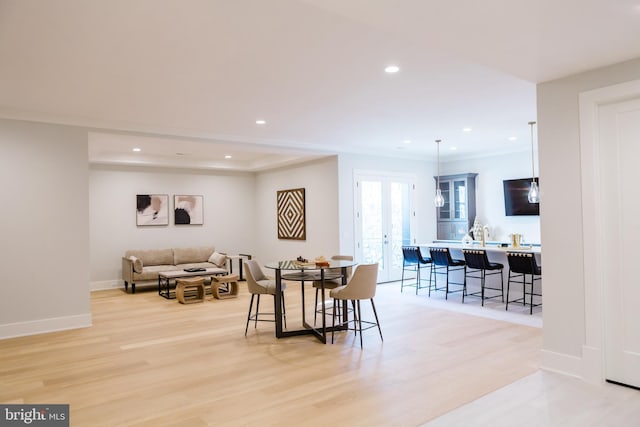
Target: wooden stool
x=223 y=287
x=196 y=283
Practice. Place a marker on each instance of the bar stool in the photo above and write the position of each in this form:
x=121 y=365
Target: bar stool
x=524 y=264
x=478 y=262
x=412 y=260
x=441 y=260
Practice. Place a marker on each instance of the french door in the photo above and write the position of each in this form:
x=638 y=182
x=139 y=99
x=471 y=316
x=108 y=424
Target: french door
x=383 y=220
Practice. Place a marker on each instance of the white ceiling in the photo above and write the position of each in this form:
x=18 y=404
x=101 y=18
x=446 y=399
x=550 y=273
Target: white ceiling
x=185 y=80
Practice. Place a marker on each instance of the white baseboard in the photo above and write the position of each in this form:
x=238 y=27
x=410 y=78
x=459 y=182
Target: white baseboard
x=592 y=364
x=101 y=285
x=41 y=326
x=561 y=363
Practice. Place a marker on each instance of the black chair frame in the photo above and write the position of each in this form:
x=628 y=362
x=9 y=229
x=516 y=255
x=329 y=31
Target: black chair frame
x=479 y=267
x=255 y=316
x=441 y=260
x=413 y=261
x=357 y=320
x=523 y=265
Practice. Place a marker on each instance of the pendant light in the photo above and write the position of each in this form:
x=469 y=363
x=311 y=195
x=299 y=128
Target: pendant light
x=534 y=192
x=438 y=200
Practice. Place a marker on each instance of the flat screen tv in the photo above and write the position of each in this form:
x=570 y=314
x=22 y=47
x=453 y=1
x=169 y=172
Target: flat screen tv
x=515 y=197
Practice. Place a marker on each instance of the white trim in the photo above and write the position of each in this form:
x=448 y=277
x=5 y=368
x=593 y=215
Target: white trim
x=101 y=285
x=41 y=326
x=561 y=363
x=593 y=225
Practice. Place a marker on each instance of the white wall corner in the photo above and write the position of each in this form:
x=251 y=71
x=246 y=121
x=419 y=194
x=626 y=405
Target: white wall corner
x=100 y=285
x=561 y=363
x=41 y=326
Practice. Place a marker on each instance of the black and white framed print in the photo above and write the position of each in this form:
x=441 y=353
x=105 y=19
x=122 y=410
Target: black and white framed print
x=188 y=210
x=152 y=209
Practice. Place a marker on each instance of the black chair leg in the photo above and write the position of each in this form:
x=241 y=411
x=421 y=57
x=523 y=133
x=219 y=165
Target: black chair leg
x=531 y=301
x=249 y=315
x=446 y=295
x=506 y=307
x=360 y=322
x=333 y=320
x=257 y=311
x=284 y=310
x=315 y=308
x=375 y=313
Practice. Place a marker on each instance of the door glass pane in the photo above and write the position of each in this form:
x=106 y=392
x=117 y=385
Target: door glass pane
x=372 y=232
x=460 y=195
x=400 y=222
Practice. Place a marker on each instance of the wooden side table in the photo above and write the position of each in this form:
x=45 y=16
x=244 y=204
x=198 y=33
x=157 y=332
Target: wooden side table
x=183 y=284
x=223 y=287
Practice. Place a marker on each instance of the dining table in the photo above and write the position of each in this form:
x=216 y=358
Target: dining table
x=308 y=272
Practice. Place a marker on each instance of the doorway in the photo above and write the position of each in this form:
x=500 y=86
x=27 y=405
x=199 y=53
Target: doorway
x=384 y=220
x=610 y=129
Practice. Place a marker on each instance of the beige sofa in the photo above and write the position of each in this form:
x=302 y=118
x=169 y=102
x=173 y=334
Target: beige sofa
x=144 y=265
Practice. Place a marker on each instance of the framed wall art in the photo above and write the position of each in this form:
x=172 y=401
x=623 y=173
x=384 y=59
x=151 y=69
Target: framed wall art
x=188 y=210
x=152 y=209
x=291 y=214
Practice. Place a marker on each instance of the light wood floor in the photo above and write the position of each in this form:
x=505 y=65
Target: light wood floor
x=151 y=361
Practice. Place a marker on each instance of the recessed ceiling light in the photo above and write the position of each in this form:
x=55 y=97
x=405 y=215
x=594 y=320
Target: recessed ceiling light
x=228 y=156
x=467 y=130
x=137 y=149
x=407 y=141
x=454 y=148
x=391 y=69
x=261 y=122
x=512 y=138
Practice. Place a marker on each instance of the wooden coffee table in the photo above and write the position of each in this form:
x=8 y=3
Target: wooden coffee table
x=165 y=279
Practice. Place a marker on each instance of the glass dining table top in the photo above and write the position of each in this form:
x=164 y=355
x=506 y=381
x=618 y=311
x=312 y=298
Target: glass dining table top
x=294 y=265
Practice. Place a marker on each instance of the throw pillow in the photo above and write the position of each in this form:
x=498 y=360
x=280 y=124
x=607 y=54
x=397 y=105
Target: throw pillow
x=137 y=264
x=218 y=259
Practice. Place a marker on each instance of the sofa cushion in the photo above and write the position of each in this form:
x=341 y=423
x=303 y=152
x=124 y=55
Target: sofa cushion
x=191 y=255
x=151 y=272
x=137 y=264
x=218 y=259
x=152 y=256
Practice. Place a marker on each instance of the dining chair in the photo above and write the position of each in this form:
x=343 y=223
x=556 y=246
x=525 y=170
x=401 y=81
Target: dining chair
x=523 y=265
x=478 y=267
x=413 y=261
x=259 y=284
x=441 y=260
x=332 y=279
x=362 y=286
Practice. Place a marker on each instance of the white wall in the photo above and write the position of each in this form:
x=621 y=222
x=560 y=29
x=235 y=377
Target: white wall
x=44 y=228
x=492 y=170
x=229 y=212
x=320 y=181
x=561 y=210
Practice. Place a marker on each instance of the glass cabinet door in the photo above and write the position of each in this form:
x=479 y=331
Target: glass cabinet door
x=445 y=211
x=460 y=199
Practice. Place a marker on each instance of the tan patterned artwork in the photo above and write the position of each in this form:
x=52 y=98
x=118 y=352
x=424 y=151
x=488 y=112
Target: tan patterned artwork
x=291 y=217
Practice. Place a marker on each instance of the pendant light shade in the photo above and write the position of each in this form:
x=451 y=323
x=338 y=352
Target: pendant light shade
x=534 y=191
x=438 y=200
